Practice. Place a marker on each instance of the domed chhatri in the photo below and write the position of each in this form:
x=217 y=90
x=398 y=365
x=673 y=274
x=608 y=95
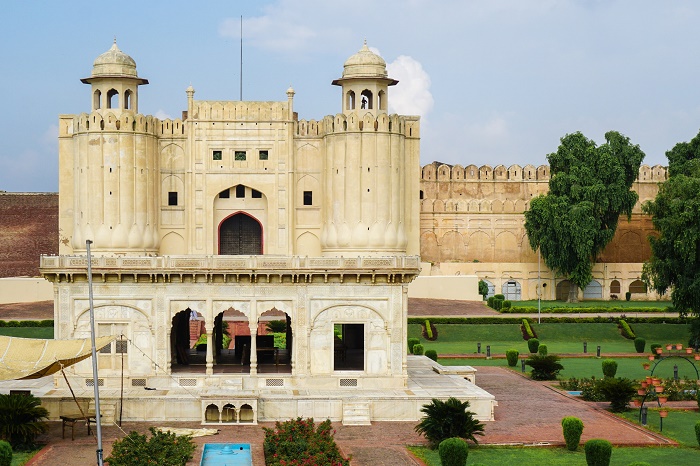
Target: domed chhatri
x=114 y=62
x=364 y=64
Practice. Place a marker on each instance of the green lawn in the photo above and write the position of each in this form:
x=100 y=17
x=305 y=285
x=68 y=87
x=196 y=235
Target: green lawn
x=592 y=303
x=27 y=332
x=20 y=458
x=679 y=425
x=559 y=338
x=559 y=456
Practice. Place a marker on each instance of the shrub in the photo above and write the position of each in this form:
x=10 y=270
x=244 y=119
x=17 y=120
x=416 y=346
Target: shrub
x=453 y=452
x=533 y=345
x=572 y=428
x=528 y=331
x=22 y=419
x=639 y=344
x=411 y=342
x=499 y=296
x=163 y=449
x=697 y=431
x=626 y=330
x=428 y=330
x=628 y=296
x=542 y=350
x=298 y=441
x=506 y=305
x=618 y=391
x=598 y=452
x=276 y=326
x=5 y=453
x=512 y=357
x=544 y=367
x=653 y=347
x=446 y=419
x=483 y=288
x=497 y=304
x=489 y=301
x=697 y=396
x=432 y=354
x=418 y=349
x=609 y=367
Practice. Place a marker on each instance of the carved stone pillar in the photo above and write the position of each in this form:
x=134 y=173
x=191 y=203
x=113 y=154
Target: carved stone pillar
x=253 y=348
x=209 y=326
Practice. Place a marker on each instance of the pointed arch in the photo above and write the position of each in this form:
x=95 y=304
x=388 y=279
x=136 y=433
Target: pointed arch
x=240 y=234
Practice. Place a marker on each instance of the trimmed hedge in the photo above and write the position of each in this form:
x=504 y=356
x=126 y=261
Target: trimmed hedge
x=453 y=452
x=542 y=350
x=598 y=452
x=639 y=344
x=418 y=349
x=625 y=330
x=411 y=343
x=26 y=323
x=697 y=431
x=582 y=310
x=432 y=354
x=572 y=428
x=512 y=357
x=528 y=331
x=533 y=344
x=548 y=320
x=609 y=367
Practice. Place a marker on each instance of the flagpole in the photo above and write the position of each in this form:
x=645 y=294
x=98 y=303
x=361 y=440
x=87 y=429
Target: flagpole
x=98 y=424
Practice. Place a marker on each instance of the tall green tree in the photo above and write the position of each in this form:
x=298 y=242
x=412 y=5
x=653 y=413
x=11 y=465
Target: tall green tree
x=675 y=213
x=589 y=188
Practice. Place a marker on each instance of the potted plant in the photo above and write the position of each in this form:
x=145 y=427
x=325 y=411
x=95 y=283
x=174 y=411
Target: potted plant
x=697 y=357
x=637 y=402
x=646 y=365
x=663 y=412
x=641 y=392
x=679 y=346
x=663 y=399
x=659 y=350
x=669 y=347
x=689 y=351
x=659 y=388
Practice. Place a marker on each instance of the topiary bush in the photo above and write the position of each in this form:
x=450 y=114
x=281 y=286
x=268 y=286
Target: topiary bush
x=5 y=453
x=544 y=367
x=609 y=367
x=512 y=357
x=453 y=452
x=533 y=345
x=499 y=296
x=428 y=330
x=697 y=431
x=628 y=296
x=639 y=344
x=411 y=342
x=418 y=349
x=489 y=301
x=497 y=303
x=626 y=330
x=506 y=305
x=446 y=419
x=528 y=331
x=432 y=354
x=598 y=452
x=542 y=350
x=163 y=449
x=572 y=428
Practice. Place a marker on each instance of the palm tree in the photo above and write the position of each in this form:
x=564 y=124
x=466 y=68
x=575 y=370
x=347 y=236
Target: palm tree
x=21 y=419
x=446 y=419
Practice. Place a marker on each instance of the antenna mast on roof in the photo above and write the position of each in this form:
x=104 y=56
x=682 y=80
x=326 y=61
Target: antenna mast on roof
x=241 y=75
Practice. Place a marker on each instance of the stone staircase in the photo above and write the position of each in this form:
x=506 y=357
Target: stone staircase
x=356 y=413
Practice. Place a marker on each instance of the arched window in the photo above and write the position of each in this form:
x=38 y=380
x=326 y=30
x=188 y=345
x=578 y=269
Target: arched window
x=240 y=234
x=127 y=100
x=615 y=287
x=112 y=98
x=381 y=100
x=594 y=290
x=366 y=102
x=97 y=100
x=638 y=286
x=350 y=103
x=511 y=290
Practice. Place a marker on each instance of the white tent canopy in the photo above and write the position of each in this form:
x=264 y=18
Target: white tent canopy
x=32 y=358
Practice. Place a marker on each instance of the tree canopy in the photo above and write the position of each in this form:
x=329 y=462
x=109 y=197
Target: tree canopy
x=675 y=213
x=589 y=188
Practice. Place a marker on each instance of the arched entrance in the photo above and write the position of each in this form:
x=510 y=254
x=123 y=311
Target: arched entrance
x=231 y=342
x=240 y=234
x=187 y=327
x=274 y=342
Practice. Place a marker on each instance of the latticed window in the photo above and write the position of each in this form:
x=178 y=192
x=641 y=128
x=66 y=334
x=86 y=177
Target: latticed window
x=263 y=154
x=216 y=155
x=240 y=235
x=239 y=155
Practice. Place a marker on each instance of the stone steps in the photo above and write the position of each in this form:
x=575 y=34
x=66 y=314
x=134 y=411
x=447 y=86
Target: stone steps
x=356 y=413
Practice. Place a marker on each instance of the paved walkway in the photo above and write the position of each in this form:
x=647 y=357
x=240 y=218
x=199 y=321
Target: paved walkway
x=528 y=413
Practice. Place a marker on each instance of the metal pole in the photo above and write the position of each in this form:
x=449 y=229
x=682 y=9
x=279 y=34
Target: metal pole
x=98 y=423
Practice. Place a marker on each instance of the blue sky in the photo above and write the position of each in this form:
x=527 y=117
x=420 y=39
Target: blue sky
x=495 y=82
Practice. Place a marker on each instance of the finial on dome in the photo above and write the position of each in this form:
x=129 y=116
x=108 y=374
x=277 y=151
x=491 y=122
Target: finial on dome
x=290 y=92
x=115 y=40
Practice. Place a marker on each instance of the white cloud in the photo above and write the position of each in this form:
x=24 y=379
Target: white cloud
x=272 y=32
x=411 y=96
x=163 y=115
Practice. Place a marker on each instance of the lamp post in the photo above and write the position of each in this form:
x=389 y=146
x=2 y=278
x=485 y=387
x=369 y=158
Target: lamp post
x=539 y=289
x=98 y=424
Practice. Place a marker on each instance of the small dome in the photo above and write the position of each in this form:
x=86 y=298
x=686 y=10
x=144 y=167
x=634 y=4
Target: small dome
x=365 y=64
x=114 y=62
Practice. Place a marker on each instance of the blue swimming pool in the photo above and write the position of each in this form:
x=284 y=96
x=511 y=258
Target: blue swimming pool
x=226 y=454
